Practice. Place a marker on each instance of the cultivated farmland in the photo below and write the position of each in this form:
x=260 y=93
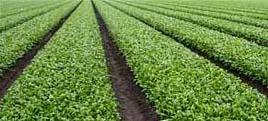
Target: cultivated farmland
x=134 y=60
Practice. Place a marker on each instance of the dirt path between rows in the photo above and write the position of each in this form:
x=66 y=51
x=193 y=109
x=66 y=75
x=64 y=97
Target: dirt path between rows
x=132 y=101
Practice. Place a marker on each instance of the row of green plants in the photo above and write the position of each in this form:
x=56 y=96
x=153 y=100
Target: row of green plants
x=9 y=4
x=246 y=57
x=17 y=41
x=16 y=7
x=179 y=83
x=251 y=33
x=234 y=18
x=223 y=9
x=12 y=21
x=67 y=80
x=245 y=6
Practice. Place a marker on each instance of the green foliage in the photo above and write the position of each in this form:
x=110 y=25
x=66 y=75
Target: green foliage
x=180 y=84
x=247 y=57
x=68 y=78
x=14 y=20
x=227 y=10
x=250 y=8
x=17 y=41
x=251 y=33
x=13 y=7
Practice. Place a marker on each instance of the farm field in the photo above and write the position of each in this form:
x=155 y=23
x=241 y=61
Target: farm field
x=134 y=60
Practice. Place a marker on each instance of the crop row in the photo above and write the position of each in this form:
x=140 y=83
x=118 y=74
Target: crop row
x=9 y=5
x=28 y=6
x=17 y=41
x=252 y=33
x=247 y=10
x=179 y=83
x=12 y=21
x=68 y=78
x=252 y=7
x=246 y=57
x=231 y=12
x=234 y=18
x=231 y=6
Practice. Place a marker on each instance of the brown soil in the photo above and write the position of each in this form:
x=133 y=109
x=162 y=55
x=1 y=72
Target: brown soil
x=132 y=101
x=11 y=75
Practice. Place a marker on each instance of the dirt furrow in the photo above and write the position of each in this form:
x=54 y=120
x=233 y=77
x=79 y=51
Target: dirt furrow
x=132 y=101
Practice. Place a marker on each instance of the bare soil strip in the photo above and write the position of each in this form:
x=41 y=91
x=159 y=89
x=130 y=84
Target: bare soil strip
x=10 y=76
x=132 y=101
x=247 y=79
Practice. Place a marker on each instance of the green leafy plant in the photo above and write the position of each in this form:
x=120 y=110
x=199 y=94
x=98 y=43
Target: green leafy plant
x=248 y=58
x=180 y=84
x=68 y=78
x=14 y=20
x=251 y=33
x=17 y=41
